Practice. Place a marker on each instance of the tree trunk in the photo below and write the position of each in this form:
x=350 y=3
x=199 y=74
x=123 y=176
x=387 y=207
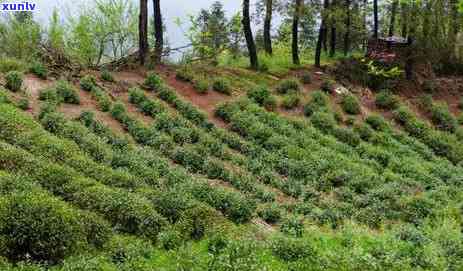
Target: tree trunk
x=393 y=15
x=249 y=37
x=295 y=40
x=455 y=25
x=268 y=26
x=158 y=32
x=404 y=15
x=321 y=35
x=333 y=30
x=375 y=15
x=348 y=25
x=143 y=32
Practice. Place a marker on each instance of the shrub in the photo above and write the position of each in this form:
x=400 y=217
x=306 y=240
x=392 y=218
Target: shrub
x=291 y=249
x=327 y=86
x=153 y=82
x=170 y=239
x=49 y=95
x=14 y=81
x=29 y=220
x=350 y=104
x=201 y=86
x=222 y=85
x=364 y=131
x=377 y=122
x=429 y=86
x=4 y=97
x=323 y=121
x=386 y=100
x=347 y=136
x=24 y=104
x=318 y=102
x=88 y=82
x=184 y=75
x=443 y=118
x=8 y=64
x=426 y=102
x=259 y=94
x=39 y=69
x=460 y=119
x=107 y=76
x=290 y=101
x=270 y=214
x=270 y=103
x=306 y=78
x=67 y=92
x=288 y=85
x=293 y=226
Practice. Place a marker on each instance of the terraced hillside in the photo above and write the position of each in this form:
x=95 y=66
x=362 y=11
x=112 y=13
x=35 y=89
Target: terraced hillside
x=139 y=173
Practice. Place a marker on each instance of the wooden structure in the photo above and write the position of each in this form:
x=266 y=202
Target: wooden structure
x=387 y=49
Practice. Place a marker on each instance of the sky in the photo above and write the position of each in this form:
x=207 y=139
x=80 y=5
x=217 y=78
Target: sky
x=171 y=9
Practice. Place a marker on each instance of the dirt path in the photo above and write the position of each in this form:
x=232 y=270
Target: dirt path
x=32 y=88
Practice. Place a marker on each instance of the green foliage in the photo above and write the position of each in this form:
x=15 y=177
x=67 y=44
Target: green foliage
x=291 y=101
x=386 y=100
x=222 y=85
x=29 y=220
x=319 y=99
x=107 y=76
x=39 y=69
x=443 y=118
x=288 y=85
x=21 y=37
x=14 y=81
x=153 y=82
x=67 y=92
x=262 y=96
x=327 y=86
x=185 y=75
x=460 y=119
x=306 y=78
x=8 y=64
x=323 y=121
x=350 y=104
x=88 y=82
x=270 y=214
x=24 y=104
x=291 y=249
x=429 y=86
x=377 y=122
x=292 y=226
x=201 y=86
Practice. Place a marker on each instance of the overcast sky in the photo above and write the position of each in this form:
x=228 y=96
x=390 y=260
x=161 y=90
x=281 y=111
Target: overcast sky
x=172 y=9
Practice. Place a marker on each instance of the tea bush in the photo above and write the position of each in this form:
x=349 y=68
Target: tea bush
x=222 y=85
x=107 y=76
x=67 y=92
x=350 y=104
x=443 y=118
x=14 y=81
x=39 y=69
x=29 y=219
x=327 y=86
x=24 y=104
x=201 y=86
x=270 y=214
x=88 y=82
x=386 y=100
x=185 y=75
x=306 y=78
x=153 y=82
x=291 y=249
x=288 y=85
x=290 y=101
